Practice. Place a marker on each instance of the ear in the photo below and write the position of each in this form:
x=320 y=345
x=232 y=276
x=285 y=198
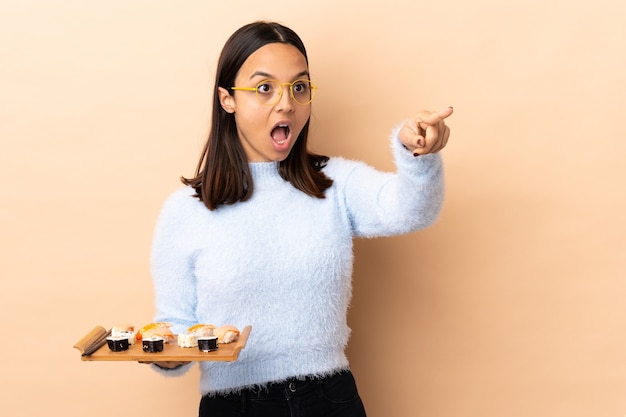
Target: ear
x=226 y=100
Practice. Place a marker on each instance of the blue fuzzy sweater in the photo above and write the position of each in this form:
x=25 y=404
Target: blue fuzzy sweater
x=282 y=262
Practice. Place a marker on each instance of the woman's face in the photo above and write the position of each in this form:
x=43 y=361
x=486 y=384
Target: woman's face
x=268 y=132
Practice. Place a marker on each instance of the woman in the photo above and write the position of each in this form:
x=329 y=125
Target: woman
x=262 y=234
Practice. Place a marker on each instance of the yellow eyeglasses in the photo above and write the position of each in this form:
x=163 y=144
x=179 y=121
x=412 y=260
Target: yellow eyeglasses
x=269 y=92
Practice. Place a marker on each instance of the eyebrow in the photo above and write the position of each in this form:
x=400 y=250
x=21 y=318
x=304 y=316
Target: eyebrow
x=268 y=75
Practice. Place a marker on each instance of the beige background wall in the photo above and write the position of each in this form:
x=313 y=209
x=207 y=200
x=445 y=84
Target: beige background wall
x=512 y=305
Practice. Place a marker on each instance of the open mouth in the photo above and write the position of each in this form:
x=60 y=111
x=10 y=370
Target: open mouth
x=280 y=133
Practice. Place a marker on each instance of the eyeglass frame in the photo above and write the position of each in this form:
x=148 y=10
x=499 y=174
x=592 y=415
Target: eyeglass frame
x=280 y=92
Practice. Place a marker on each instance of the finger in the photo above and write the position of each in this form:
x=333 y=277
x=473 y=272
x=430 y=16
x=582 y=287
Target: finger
x=169 y=364
x=412 y=135
x=441 y=142
x=431 y=118
x=433 y=133
x=444 y=140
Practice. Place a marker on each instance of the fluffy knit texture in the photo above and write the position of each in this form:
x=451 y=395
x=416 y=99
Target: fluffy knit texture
x=282 y=262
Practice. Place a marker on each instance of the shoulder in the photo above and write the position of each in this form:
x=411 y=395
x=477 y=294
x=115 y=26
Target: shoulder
x=180 y=202
x=339 y=167
x=180 y=214
x=347 y=173
x=183 y=194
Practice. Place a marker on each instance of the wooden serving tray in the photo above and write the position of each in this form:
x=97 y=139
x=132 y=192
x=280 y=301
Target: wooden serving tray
x=226 y=352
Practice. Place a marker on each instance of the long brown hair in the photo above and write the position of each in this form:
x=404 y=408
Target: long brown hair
x=222 y=174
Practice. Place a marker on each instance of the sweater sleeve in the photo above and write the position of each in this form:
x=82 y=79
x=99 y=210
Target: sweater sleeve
x=385 y=204
x=172 y=263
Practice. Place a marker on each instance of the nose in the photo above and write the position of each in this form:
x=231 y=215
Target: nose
x=285 y=103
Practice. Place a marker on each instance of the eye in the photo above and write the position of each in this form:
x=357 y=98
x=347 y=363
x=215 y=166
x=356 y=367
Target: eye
x=265 y=87
x=300 y=87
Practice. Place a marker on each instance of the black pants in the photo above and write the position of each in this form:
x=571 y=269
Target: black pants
x=335 y=395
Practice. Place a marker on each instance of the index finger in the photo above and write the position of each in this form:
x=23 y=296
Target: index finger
x=432 y=118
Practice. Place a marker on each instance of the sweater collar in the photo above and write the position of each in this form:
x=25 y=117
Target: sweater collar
x=264 y=170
